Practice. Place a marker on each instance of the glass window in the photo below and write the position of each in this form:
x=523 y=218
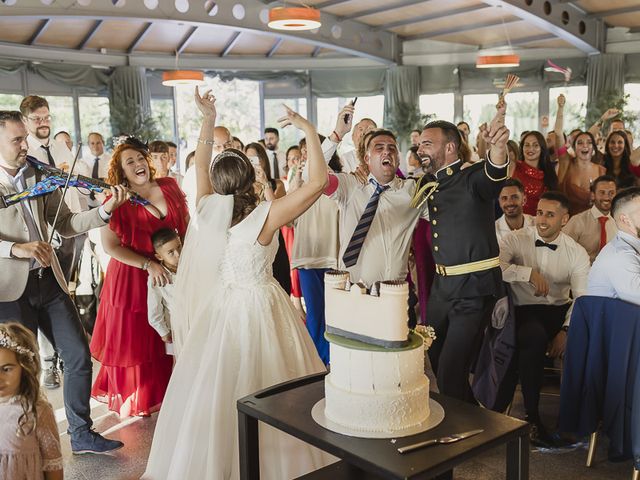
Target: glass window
x=94 y=117
x=162 y=112
x=366 y=107
x=273 y=110
x=633 y=107
x=522 y=112
x=62 y=118
x=9 y=101
x=440 y=106
x=478 y=109
x=575 y=109
x=238 y=106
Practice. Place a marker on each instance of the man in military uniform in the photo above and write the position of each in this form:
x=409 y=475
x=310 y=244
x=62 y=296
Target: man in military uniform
x=465 y=249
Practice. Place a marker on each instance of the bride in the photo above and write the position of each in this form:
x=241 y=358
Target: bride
x=239 y=330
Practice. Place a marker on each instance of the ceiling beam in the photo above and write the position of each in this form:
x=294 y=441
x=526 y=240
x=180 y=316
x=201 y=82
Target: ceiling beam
x=94 y=29
x=614 y=11
x=564 y=21
x=383 y=9
x=431 y=16
x=138 y=40
x=186 y=40
x=230 y=44
x=329 y=3
x=44 y=24
x=458 y=29
x=316 y=52
x=272 y=51
x=521 y=41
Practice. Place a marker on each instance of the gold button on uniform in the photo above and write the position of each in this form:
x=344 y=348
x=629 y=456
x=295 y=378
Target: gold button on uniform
x=435 y=248
x=431 y=197
x=435 y=209
x=435 y=235
x=434 y=222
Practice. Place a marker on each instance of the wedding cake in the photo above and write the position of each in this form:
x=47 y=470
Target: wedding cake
x=377 y=381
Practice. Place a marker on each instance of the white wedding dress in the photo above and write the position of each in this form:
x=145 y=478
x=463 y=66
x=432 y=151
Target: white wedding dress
x=243 y=335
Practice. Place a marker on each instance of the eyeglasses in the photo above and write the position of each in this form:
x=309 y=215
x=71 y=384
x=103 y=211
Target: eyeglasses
x=39 y=120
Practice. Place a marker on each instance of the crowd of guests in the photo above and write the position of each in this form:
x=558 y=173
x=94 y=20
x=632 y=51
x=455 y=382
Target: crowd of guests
x=560 y=203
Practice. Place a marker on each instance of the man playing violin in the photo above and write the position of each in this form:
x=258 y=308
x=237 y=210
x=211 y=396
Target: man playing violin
x=33 y=290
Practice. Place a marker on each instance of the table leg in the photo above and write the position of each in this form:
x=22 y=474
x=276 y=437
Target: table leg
x=249 y=451
x=518 y=458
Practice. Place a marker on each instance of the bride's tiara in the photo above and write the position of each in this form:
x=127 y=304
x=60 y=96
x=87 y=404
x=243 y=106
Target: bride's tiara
x=227 y=153
x=10 y=344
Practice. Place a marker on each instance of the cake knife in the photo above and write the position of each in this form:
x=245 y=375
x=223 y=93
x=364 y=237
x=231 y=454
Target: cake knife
x=437 y=441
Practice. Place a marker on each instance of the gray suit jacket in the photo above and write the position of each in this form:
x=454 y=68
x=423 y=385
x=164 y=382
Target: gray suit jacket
x=13 y=228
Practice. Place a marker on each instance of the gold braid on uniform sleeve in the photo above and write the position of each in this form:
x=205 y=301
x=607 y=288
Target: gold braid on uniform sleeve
x=422 y=193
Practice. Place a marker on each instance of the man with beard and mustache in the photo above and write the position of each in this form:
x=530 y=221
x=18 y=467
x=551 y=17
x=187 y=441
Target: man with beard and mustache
x=33 y=290
x=277 y=160
x=464 y=245
x=616 y=270
x=511 y=200
x=595 y=227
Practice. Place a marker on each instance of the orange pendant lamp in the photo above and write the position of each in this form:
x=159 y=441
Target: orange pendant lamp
x=294 y=18
x=498 y=61
x=174 y=78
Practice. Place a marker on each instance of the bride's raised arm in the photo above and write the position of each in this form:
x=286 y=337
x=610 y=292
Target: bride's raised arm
x=290 y=207
x=207 y=106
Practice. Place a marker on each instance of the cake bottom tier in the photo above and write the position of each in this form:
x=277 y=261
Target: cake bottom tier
x=378 y=412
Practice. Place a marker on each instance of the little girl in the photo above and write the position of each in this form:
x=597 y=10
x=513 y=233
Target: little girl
x=29 y=440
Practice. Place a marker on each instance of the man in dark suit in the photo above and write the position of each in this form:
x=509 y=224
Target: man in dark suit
x=465 y=249
x=33 y=290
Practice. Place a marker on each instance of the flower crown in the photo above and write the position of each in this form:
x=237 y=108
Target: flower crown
x=7 y=342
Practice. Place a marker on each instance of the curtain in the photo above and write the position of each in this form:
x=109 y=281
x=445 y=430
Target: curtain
x=129 y=101
x=605 y=81
x=401 y=101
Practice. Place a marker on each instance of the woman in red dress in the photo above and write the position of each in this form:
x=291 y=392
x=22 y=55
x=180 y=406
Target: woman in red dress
x=135 y=368
x=535 y=170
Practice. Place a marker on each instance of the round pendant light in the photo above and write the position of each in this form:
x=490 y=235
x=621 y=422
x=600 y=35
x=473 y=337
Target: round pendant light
x=294 y=18
x=175 y=78
x=497 y=61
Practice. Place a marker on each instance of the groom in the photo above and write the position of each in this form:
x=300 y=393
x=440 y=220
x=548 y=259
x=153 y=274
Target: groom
x=33 y=290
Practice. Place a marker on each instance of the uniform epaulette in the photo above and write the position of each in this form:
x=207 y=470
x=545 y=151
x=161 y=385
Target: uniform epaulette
x=422 y=192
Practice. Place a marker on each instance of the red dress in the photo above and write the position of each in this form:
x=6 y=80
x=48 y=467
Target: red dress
x=135 y=368
x=533 y=181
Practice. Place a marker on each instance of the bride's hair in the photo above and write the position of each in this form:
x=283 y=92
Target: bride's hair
x=233 y=174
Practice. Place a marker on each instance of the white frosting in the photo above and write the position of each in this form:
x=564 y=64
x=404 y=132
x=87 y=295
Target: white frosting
x=384 y=317
x=376 y=390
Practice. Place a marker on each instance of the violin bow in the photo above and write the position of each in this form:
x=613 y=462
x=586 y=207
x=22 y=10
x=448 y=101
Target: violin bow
x=64 y=193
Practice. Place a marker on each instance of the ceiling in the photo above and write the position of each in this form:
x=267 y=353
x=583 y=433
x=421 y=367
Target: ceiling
x=232 y=34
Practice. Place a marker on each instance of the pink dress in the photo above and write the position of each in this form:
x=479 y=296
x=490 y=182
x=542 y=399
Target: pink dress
x=27 y=457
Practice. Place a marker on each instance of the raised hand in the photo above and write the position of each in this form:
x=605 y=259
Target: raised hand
x=561 y=101
x=496 y=134
x=293 y=118
x=206 y=104
x=343 y=128
x=609 y=114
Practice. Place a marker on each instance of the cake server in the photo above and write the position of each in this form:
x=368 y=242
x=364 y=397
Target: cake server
x=437 y=441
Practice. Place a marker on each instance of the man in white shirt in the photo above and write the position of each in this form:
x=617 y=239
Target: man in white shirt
x=616 y=271
x=595 y=227
x=277 y=160
x=63 y=136
x=97 y=165
x=512 y=199
x=350 y=159
x=545 y=268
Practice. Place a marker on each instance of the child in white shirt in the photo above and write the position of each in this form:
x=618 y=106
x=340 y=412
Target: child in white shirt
x=167 y=246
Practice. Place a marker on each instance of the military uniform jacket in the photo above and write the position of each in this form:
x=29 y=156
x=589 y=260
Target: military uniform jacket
x=462 y=217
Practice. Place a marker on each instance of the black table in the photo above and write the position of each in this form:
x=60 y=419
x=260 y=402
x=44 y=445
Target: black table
x=287 y=407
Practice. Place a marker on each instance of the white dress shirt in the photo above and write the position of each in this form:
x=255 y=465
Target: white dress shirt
x=584 y=228
x=349 y=161
x=503 y=228
x=190 y=188
x=159 y=302
x=566 y=269
x=616 y=271
x=86 y=165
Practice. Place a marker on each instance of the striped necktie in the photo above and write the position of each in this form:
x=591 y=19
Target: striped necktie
x=351 y=254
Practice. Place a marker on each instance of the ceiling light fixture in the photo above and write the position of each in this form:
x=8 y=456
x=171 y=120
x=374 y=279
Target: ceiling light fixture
x=294 y=18
x=174 y=78
x=498 y=61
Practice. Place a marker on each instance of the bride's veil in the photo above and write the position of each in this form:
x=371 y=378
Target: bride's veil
x=197 y=283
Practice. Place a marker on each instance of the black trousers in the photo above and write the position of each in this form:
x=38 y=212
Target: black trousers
x=459 y=324
x=44 y=306
x=536 y=326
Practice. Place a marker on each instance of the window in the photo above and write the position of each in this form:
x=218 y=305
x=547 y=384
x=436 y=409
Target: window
x=238 y=106
x=522 y=112
x=9 y=101
x=162 y=112
x=273 y=110
x=633 y=107
x=477 y=110
x=61 y=109
x=575 y=109
x=94 y=117
x=439 y=106
x=366 y=107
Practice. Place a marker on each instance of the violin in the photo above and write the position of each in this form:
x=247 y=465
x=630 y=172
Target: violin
x=55 y=178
